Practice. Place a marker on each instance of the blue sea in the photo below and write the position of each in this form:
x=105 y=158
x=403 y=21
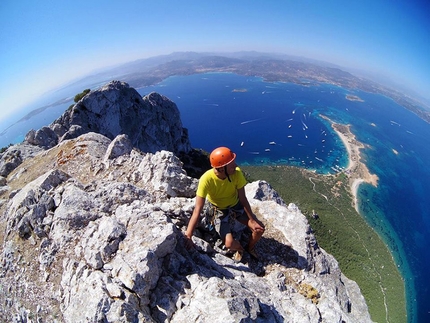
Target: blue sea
x=280 y=123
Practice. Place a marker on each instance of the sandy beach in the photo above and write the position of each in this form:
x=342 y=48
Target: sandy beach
x=357 y=171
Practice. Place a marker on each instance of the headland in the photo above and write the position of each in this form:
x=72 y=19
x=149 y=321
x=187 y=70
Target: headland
x=357 y=171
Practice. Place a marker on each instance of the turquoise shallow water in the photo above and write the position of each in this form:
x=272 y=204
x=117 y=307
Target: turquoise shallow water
x=279 y=123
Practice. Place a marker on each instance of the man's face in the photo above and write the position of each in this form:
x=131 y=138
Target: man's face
x=231 y=168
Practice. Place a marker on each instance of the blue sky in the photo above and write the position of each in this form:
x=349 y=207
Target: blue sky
x=46 y=43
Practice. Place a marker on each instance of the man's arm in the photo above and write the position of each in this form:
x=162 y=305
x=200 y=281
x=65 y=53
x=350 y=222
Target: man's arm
x=198 y=207
x=244 y=201
x=255 y=224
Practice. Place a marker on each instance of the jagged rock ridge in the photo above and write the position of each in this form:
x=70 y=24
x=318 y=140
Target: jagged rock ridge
x=152 y=123
x=92 y=232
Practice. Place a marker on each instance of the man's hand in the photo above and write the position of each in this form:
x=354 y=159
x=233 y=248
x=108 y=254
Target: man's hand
x=200 y=202
x=188 y=242
x=256 y=225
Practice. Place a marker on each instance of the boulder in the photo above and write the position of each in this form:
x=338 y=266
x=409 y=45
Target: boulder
x=44 y=137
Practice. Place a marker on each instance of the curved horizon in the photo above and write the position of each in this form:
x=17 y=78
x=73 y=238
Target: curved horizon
x=46 y=46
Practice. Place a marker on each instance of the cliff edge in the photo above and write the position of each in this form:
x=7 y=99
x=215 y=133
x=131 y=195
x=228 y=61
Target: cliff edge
x=92 y=214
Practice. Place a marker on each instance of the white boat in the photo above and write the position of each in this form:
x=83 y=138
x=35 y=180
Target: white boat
x=272 y=143
x=242 y=143
x=267 y=149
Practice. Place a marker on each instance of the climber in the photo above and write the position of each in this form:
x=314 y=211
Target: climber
x=223 y=187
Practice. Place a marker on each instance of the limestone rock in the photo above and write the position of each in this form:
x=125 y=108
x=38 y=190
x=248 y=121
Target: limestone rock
x=44 y=137
x=15 y=155
x=121 y=145
x=151 y=123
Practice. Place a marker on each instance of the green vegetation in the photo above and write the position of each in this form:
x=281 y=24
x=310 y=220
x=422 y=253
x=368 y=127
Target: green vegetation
x=2 y=150
x=341 y=231
x=81 y=95
x=78 y=97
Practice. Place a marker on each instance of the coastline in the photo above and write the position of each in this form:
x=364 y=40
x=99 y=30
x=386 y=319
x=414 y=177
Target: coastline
x=357 y=171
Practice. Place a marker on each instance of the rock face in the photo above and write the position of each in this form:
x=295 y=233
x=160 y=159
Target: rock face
x=92 y=231
x=152 y=123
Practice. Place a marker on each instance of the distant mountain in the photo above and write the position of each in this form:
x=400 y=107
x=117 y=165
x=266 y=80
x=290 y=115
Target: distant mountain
x=271 y=67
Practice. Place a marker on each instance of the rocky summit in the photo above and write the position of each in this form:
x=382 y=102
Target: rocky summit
x=93 y=210
x=151 y=123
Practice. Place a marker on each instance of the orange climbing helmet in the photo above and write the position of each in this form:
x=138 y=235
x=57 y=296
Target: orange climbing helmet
x=221 y=156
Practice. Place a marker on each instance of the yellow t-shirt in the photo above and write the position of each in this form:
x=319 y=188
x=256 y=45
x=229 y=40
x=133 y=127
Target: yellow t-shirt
x=221 y=192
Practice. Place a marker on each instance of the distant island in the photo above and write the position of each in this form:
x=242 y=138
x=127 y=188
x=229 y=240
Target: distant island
x=351 y=97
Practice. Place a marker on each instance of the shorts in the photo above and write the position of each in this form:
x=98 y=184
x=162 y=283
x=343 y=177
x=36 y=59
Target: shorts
x=225 y=220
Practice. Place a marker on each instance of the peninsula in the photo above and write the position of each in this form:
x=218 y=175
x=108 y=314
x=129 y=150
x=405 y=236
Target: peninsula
x=357 y=171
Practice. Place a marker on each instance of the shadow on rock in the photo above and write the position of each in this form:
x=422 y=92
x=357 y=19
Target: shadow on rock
x=213 y=272
x=272 y=251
